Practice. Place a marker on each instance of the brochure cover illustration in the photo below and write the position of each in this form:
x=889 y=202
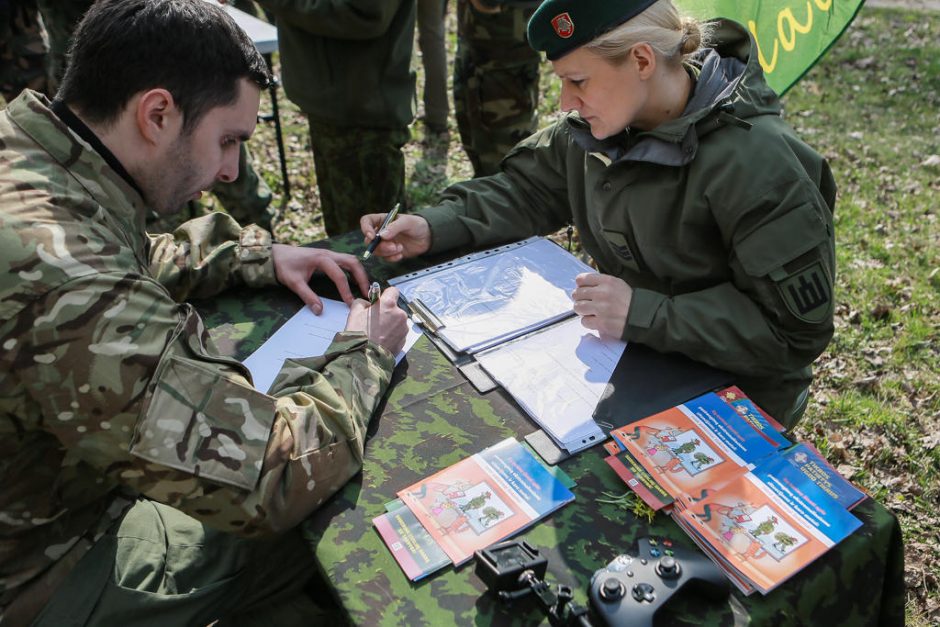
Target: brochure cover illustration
x=768 y=524
x=699 y=445
x=484 y=499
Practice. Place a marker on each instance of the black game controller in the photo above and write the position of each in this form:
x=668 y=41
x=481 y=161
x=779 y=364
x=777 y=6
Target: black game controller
x=632 y=588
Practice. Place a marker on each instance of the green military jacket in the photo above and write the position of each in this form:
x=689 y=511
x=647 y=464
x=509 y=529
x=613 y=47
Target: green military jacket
x=348 y=62
x=109 y=386
x=720 y=221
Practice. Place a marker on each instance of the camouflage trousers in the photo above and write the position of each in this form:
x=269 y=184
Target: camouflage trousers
x=160 y=567
x=496 y=80
x=22 y=49
x=359 y=171
x=60 y=18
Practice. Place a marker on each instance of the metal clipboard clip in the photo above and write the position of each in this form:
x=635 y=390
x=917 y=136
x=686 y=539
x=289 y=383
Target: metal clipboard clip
x=425 y=316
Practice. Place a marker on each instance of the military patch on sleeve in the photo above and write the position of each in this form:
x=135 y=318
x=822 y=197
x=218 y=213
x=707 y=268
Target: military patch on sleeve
x=807 y=293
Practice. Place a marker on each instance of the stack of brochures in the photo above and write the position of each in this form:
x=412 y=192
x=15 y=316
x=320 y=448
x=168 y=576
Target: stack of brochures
x=761 y=508
x=510 y=310
x=477 y=502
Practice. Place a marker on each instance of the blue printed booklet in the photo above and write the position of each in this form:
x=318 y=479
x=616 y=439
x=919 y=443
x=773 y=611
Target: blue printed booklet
x=767 y=525
x=477 y=502
x=811 y=463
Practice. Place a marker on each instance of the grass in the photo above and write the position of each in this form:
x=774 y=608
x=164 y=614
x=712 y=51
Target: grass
x=871 y=106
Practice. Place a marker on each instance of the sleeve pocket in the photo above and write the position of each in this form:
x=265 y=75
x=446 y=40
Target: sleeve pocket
x=775 y=243
x=197 y=420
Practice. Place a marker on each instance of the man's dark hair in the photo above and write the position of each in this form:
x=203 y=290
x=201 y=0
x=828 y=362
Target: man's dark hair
x=191 y=48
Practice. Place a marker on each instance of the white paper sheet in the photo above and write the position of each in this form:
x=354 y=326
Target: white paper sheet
x=306 y=335
x=558 y=376
x=499 y=294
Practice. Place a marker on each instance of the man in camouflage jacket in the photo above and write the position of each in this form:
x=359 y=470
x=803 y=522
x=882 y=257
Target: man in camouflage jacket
x=133 y=455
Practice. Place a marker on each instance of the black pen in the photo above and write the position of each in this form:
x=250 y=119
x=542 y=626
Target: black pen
x=378 y=238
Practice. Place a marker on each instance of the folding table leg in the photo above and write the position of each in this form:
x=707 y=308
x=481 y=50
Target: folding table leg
x=276 y=117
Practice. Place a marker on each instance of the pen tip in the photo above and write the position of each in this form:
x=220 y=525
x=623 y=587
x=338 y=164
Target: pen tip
x=366 y=255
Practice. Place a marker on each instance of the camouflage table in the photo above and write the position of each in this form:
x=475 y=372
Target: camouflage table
x=433 y=418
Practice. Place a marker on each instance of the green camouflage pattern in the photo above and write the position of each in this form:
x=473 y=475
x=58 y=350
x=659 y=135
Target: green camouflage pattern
x=60 y=17
x=433 y=418
x=111 y=385
x=496 y=80
x=23 y=49
x=359 y=171
x=143 y=562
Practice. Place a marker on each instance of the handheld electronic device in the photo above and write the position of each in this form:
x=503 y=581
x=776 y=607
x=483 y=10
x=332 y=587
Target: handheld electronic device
x=632 y=588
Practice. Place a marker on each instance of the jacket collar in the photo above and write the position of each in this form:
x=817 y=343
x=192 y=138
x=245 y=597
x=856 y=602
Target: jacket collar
x=118 y=197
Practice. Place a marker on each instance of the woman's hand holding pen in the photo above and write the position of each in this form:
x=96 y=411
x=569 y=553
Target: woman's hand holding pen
x=387 y=325
x=406 y=236
x=603 y=302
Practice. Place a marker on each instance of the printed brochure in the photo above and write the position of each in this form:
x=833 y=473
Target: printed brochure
x=700 y=445
x=767 y=524
x=761 y=508
x=477 y=502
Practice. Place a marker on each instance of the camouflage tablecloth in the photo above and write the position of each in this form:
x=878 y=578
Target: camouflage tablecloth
x=433 y=418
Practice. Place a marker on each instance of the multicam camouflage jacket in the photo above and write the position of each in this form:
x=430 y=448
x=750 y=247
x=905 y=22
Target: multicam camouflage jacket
x=109 y=385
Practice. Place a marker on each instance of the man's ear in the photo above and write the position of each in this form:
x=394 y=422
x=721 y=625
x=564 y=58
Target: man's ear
x=643 y=57
x=158 y=118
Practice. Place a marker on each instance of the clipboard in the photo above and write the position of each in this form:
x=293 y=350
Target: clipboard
x=487 y=298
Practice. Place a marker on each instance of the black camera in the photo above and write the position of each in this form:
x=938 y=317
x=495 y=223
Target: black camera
x=513 y=570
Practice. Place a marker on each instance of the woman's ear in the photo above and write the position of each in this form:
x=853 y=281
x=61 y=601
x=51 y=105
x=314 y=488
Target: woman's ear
x=644 y=59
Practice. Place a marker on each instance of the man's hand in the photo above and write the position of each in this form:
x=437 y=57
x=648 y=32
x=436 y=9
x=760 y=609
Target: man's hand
x=294 y=266
x=407 y=236
x=386 y=326
x=603 y=302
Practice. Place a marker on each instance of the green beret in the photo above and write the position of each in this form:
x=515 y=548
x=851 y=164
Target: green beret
x=559 y=26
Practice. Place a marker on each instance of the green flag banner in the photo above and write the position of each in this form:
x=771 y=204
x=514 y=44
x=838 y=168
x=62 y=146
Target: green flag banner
x=791 y=35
